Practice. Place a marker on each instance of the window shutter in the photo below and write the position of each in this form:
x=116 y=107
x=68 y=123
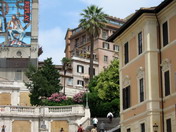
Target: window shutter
x=77 y=68
x=108 y=45
x=167 y=83
x=128 y=96
x=82 y=69
x=165 y=34
x=168 y=125
x=124 y=103
x=103 y=45
x=126 y=53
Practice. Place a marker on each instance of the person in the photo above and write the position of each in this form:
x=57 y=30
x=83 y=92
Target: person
x=3 y=128
x=102 y=127
x=80 y=129
x=110 y=116
x=16 y=28
x=95 y=121
x=94 y=129
x=61 y=130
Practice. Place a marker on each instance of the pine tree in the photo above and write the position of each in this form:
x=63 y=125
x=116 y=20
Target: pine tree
x=43 y=81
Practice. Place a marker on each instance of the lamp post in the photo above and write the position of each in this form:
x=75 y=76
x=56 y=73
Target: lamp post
x=86 y=79
x=43 y=126
x=155 y=127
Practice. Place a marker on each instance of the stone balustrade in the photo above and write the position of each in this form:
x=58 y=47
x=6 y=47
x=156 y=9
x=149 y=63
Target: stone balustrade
x=47 y=111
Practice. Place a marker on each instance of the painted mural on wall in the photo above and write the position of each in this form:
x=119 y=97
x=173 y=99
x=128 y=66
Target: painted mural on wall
x=15 y=23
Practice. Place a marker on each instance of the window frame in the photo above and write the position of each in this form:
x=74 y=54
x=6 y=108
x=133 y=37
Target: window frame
x=168 y=127
x=79 y=83
x=140 y=43
x=82 y=69
x=165 y=95
x=18 y=72
x=104 y=45
x=126 y=98
x=165 y=42
x=105 y=60
x=126 y=54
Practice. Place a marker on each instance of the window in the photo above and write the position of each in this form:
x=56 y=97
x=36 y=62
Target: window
x=105 y=45
x=80 y=69
x=141 y=88
x=84 y=39
x=126 y=97
x=115 y=47
x=104 y=34
x=88 y=48
x=167 y=83
x=18 y=75
x=142 y=127
x=140 y=43
x=128 y=130
x=80 y=82
x=70 y=81
x=126 y=53
x=168 y=125
x=175 y=79
x=105 y=58
x=165 y=34
x=76 y=42
x=93 y=71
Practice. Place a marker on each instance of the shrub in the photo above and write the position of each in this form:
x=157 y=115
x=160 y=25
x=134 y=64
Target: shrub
x=79 y=97
x=57 y=97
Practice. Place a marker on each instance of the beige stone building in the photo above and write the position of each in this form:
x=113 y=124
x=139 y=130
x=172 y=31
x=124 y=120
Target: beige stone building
x=78 y=50
x=147 y=43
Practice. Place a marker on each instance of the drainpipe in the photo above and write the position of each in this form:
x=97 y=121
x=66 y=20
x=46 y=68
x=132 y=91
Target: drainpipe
x=160 y=62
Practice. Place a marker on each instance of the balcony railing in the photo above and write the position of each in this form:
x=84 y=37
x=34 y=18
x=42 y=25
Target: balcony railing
x=38 y=111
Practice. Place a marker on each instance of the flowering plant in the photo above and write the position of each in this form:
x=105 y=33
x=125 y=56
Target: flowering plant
x=57 y=97
x=78 y=98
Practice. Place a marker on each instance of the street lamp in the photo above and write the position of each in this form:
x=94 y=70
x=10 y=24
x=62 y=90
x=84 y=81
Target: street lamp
x=43 y=126
x=155 y=127
x=86 y=79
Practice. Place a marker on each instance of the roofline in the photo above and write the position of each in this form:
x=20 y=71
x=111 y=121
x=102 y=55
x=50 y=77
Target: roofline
x=136 y=16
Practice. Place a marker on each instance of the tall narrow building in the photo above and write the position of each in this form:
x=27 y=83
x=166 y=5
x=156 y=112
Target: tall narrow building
x=78 y=50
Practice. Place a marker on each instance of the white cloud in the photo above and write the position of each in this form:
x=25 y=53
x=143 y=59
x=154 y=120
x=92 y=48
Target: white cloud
x=122 y=8
x=52 y=42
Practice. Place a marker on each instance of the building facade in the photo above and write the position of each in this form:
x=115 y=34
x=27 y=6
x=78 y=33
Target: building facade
x=147 y=43
x=78 y=50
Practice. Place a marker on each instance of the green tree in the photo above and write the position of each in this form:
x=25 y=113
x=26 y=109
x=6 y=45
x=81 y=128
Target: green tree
x=66 y=65
x=43 y=81
x=108 y=82
x=93 y=20
x=104 y=88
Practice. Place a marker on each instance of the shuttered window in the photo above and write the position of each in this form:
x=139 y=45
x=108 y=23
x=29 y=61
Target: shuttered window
x=167 y=83
x=142 y=127
x=126 y=54
x=140 y=43
x=168 y=125
x=80 y=69
x=141 y=87
x=126 y=97
x=165 y=34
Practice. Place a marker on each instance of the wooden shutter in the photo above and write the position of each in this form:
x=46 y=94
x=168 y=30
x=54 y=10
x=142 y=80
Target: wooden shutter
x=124 y=98
x=165 y=34
x=82 y=69
x=126 y=53
x=128 y=96
x=167 y=83
x=168 y=125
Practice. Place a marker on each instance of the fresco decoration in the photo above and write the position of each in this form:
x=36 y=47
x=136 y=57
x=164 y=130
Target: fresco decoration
x=15 y=23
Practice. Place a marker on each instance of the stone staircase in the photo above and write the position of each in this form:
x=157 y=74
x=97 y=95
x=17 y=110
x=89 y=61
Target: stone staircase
x=108 y=125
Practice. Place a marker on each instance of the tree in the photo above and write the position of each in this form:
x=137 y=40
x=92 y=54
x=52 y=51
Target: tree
x=104 y=88
x=43 y=81
x=66 y=62
x=93 y=20
x=108 y=82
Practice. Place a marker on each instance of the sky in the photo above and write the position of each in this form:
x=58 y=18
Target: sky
x=56 y=16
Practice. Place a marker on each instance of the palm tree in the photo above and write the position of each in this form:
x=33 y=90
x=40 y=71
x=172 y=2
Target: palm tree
x=66 y=64
x=93 y=20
